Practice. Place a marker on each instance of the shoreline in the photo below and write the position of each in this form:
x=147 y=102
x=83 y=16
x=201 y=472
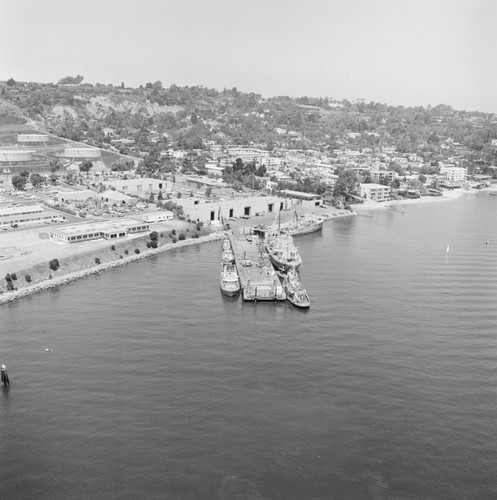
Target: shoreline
x=330 y=213
x=27 y=291
x=447 y=196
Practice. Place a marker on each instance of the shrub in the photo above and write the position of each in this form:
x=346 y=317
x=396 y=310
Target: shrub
x=27 y=278
x=126 y=252
x=174 y=240
x=196 y=235
x=8 y=279
x=154 y=244
x=13 y=276
x=120 y=256
x=54 y=264
x=149 y=244
x=97 y=260
x=181 y=236
x=113 y=247
x=199 y=226
x=137 y=250
x=173 y=232
x=154 y=235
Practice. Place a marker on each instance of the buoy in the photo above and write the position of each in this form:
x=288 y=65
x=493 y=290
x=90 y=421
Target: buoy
x=4 y=376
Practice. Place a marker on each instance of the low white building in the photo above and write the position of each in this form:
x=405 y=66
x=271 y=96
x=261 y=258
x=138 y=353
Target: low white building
x=108 y=230
x=138 y=186
x=219 y=210
x=376 y=192
x=161 y=216
x=25 y=215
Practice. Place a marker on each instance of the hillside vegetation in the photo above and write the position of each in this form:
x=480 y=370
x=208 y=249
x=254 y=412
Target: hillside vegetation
x=190 y=117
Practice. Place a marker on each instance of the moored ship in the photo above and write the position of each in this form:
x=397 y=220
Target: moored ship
x=229 y=281
x=305 y=224
x=228 y=255
x=284 y=255
x=295 y=291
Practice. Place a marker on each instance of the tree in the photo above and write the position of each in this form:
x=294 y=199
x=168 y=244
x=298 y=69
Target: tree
x=54 y=165
x=11 y=82
x=19 y=182
x=86 y=166
x=37 y=180
x=71 y=80
x=346 y=183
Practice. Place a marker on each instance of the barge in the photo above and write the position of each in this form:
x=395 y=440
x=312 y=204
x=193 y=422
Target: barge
x=258 y=279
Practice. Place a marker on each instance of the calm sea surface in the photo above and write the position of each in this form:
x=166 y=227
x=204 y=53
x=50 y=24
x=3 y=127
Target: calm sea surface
x=157 y=386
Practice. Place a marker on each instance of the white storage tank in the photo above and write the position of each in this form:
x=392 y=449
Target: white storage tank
x=82 y=153
x=13 y=155
x=32 y=138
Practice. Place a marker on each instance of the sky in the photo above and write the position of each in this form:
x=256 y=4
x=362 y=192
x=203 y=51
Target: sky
x=398 y=52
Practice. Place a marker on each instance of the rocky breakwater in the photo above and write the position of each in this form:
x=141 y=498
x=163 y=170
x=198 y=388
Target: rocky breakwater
x=63 y=279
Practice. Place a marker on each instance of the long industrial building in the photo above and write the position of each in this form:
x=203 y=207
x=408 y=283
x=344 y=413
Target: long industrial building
x=219 y=210
x=108 y=230
x=25 y=215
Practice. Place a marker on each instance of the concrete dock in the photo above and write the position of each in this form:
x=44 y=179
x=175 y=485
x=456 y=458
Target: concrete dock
x=258 y=279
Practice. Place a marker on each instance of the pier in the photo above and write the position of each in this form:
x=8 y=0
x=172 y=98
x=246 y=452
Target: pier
x=258 y=279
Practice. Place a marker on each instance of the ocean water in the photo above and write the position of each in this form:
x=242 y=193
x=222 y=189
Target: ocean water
x=146 y=382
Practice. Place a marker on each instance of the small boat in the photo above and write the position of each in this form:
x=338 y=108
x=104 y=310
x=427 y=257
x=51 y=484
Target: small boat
x=295 y=291
x=228 y=255
x=229 y=280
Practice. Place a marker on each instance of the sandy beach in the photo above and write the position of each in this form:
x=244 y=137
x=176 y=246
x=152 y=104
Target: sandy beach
x=447 y=196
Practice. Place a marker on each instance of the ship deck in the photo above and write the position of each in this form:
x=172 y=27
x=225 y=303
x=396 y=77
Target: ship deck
x=259 y=281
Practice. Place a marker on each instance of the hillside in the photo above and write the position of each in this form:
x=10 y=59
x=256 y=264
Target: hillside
x=189 y=117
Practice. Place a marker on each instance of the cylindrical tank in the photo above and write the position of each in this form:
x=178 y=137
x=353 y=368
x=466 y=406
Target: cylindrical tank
x=82 y=153
x=13 y=155
x=38 y=138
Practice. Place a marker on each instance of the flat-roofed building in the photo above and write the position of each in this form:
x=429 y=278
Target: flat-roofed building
x=152 y=217
x=218 y=210
x=378 y=175
x=96 y=230
x=454 y=174
x=114 y=197
x=376 y=192
x=81 y=195
x=248 y=154
x=308 y=200
x=138 y=186
x=26 y=214
x=215 y=170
